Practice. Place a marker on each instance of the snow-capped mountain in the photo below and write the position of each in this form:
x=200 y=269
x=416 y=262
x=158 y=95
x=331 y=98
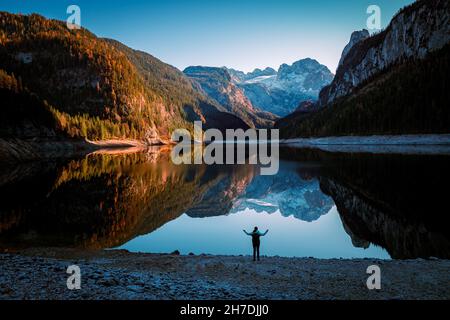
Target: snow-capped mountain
x=280 y=92
x=239 y=76
x=288 y=193
x=218 y=84
x=293 y=192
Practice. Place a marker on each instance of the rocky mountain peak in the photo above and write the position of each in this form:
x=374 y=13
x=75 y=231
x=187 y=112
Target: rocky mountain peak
x=240 y=76
x=299 y=67
x=356 y=37
x=260 y=73
x=220 y=85
x=416 y=31
x=280 y=92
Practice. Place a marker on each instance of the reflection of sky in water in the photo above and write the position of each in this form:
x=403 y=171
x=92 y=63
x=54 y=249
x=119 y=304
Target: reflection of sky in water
x=223 y=235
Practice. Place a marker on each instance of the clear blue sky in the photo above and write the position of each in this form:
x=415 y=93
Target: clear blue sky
x=243 y=34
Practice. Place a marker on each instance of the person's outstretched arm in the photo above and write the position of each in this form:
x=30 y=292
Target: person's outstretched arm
x=266 y=232
x=249 y=234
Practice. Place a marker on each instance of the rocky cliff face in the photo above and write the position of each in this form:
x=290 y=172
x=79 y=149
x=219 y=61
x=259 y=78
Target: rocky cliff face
x=217 y=84
x=280 y=92
x=414 y=32
x=355 y=38
x=365 y=222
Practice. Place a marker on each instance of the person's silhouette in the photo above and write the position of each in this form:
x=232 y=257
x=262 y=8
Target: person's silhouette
x=256 y=235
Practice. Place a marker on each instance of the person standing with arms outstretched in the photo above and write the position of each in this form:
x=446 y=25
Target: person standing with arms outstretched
x=256 y=235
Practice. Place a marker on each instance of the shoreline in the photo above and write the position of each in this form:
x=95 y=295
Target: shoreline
x=19 y=150
x=373 y=140
x=120 y=275
x=426 y=144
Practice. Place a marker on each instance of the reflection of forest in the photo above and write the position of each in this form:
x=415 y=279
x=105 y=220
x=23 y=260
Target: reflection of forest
x=395 y=201
x=105 y=200
x=101 y=201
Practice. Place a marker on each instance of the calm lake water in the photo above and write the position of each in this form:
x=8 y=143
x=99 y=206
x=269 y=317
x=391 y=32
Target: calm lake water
x=320 y=204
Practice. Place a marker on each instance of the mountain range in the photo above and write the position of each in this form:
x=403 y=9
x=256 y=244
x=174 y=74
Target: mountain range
x=58 y=84
x=262 y=96
x=77 y=85
x=281 y=92
x=217 y=84
x=393 y=82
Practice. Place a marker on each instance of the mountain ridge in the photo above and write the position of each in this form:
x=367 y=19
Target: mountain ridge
x=218 y=85
x=97 y=88
x=282 y=91
x=390 y=83
x=278 y=92
x=415 y=31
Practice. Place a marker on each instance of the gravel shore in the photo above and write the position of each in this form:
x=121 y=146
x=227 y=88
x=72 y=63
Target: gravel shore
x=41 y=274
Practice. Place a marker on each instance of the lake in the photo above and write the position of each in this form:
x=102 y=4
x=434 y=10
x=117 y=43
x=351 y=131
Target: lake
x=320 y=204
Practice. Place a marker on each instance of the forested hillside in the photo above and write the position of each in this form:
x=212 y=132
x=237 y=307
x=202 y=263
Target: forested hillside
x=30 y=117
x=406 y=99
x=96 y=88
x=176 y=87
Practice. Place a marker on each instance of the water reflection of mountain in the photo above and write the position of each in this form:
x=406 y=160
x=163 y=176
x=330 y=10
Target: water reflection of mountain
x=100 y=201
x=397 y=202
x=220 y=198
x=106 y=200
x=290 y=193
x=394 y=201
